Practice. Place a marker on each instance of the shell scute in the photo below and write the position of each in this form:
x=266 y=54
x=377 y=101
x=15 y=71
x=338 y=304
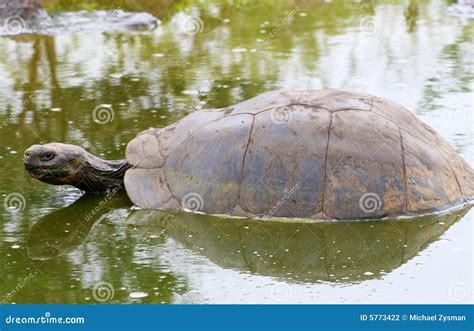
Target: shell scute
x=364 y=170
x=273 y=184
x=209 y=164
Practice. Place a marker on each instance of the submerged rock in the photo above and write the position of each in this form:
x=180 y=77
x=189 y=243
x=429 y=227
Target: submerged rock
x=28 y=17
x=463 y=9
x=28 y=10
x=16 y=16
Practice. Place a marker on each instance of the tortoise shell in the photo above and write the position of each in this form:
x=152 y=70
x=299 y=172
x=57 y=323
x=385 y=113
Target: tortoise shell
x=324 y=154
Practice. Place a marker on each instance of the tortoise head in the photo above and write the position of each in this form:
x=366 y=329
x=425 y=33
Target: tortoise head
x=54 y=163
x=64 y=164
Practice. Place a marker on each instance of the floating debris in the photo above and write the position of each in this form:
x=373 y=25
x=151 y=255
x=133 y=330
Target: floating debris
x=137 y=295
x=191 y=92
x=239 y=50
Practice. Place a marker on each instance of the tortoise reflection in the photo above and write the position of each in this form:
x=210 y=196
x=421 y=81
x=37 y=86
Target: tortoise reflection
x=339 y=251
x=306 y=252
x=61 y=231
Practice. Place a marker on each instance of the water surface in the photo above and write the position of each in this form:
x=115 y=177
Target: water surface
x=208 y=55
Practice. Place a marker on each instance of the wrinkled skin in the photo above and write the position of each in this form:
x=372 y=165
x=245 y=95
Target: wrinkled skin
x=63 y=164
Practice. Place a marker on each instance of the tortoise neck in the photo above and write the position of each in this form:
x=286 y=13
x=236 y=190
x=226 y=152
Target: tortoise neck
x=99 y=175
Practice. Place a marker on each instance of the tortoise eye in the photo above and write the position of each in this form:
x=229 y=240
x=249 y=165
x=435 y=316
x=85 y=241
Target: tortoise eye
x=48 y=156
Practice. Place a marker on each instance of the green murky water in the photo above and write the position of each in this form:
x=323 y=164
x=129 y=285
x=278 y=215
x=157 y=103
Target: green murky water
x=53 y=249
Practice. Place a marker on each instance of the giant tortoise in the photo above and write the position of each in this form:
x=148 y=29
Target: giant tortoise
x=324 y=154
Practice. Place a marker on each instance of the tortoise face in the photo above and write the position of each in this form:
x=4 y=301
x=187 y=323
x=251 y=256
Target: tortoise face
x=54 y=163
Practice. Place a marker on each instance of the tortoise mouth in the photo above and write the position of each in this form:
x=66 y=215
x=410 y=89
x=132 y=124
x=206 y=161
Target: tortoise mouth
x=40 y=172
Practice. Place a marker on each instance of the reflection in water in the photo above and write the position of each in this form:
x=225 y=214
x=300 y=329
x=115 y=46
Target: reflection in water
x=307 y=252
x=61 y=231
x=411 y=15
x=70 y=250
x=334 y=252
